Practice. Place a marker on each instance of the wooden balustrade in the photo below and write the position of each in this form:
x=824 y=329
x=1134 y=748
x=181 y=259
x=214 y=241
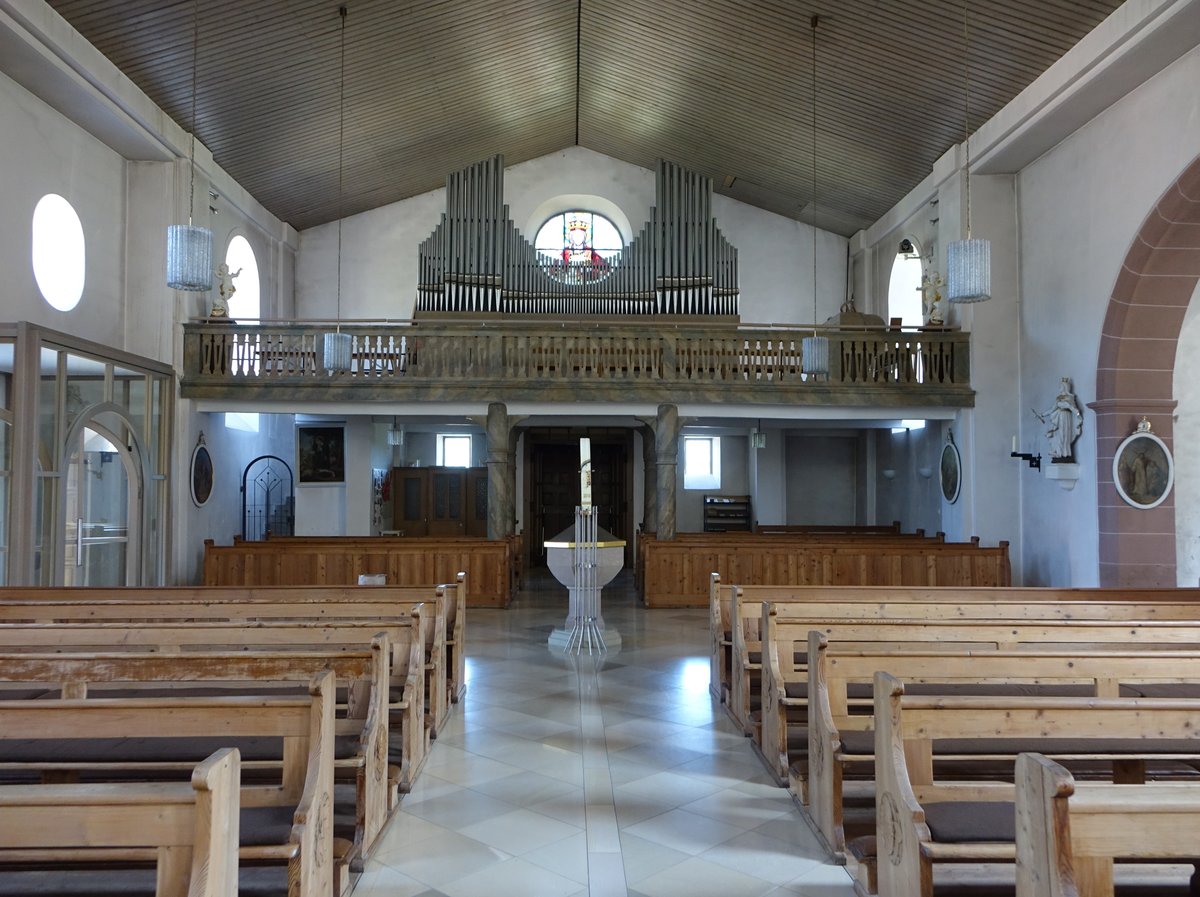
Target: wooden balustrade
x=583 y=359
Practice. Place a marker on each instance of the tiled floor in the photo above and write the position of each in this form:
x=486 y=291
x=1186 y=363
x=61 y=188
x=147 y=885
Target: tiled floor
x=572 y=776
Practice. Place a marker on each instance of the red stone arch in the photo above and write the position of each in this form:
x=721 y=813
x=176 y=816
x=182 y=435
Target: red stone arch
x=1134 y=377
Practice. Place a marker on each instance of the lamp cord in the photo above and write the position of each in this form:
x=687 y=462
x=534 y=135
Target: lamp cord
x=815 y=20
x=341 y=152
x=192 y=134
x=967 y=110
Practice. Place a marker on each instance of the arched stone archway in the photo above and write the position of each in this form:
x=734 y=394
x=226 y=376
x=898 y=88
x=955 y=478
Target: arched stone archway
x=1134 y=376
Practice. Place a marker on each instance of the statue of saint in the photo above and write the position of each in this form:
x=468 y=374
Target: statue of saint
x=1064 y=423
x=225 y=291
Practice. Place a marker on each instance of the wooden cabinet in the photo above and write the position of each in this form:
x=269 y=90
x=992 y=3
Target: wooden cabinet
x=727 y=513
x=439 y=501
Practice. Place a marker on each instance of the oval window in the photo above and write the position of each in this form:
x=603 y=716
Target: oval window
x=578 y=247
x=58 y=252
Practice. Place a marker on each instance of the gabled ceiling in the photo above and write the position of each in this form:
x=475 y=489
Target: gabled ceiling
x=721 y=86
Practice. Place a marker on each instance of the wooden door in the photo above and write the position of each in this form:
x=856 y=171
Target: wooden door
x=553 y=488
x=477 y=506
x=448 y=501
x=410 y=486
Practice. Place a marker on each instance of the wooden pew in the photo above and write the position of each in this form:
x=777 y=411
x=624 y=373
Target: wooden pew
x=306 y=726
x=83 y=674
x=405 y=637
x=912 y=804
x=191 y=829
x=839 y=738
x=677 y=572
x=1068 y=833
x=792 y=621
x=339 y=560
x=445 y=636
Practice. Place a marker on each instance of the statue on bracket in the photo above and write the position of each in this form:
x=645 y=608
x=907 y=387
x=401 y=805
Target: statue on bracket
x=1064 y=423
x=934 y=299
x=225 y=291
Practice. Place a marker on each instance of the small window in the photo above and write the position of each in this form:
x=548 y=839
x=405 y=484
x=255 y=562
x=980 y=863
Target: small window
x=578 y=247
x=453 y=450
x=58 y=252
x=905 y=300
x=702 y=462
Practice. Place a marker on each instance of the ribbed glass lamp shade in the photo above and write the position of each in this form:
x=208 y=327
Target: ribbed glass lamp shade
x=395 y=436
x=815 y=354
x=336 y=352
x=969 y=278
x=189 y=258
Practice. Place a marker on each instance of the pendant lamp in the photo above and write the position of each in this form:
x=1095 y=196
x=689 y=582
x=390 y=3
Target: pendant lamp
x=189 y=246
x=969 y=261
x=814 y=350
x=336 y=348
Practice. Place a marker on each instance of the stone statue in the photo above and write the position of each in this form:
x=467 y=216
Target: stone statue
x=934 y=303
x=1064 y=423
x=225 y=291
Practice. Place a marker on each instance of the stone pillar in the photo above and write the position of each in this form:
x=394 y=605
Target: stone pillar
x=650 y=484
x=666 y=448
x=501 y=484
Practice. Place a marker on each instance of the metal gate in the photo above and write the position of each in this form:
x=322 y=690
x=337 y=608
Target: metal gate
x=268 y=499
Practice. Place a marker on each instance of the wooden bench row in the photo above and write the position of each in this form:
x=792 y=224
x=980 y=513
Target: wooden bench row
x=677 y=573
x=445 y=627
x=192 y=829
x=1006 y=656
x=490 y=565
x=285 y=635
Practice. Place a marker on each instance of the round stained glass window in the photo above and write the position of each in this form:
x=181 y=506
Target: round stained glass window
x=578 y=247
x=58 y=252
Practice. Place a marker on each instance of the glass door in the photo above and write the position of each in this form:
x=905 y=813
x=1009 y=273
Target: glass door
x=100 y=544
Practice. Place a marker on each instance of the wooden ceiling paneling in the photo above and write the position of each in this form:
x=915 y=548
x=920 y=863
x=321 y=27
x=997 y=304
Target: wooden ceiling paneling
x=721 y=86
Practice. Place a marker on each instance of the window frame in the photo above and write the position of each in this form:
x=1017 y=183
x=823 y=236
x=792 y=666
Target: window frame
x=710 y=476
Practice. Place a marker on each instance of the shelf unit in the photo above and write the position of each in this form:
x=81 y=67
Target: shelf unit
x=727 y=513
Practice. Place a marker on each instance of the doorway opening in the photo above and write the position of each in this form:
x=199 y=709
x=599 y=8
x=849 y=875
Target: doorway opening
x=552 y=484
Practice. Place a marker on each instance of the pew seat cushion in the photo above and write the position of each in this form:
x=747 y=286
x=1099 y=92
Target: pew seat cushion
x=971 y=822
x=149 y=750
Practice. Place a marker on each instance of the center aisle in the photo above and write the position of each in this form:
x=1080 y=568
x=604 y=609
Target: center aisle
x=576 y=776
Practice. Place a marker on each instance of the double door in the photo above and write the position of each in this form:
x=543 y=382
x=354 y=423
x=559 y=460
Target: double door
x=439 y=501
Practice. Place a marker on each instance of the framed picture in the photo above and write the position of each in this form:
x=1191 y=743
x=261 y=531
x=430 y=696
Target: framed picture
x=950 y=470
x=1143 y=470
x=321 y=454
x=201 y=473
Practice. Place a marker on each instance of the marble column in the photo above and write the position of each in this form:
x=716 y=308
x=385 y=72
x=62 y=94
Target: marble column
x=501 y=482
x=666 y=448
x=650 y=481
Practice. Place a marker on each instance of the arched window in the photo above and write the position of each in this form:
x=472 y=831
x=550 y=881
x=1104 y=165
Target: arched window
x=244 y=306
x=578 y=246
x=904 y=289
x=58 y=252
x=243 y=267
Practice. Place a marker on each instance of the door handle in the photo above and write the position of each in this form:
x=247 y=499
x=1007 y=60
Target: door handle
x=79 y=542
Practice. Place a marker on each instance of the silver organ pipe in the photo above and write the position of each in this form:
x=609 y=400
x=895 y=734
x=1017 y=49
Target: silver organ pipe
x=477 y=261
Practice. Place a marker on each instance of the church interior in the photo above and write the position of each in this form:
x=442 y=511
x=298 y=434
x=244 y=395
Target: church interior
x=848 y=325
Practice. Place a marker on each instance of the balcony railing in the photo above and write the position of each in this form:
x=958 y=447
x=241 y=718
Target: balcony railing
x=583 y=360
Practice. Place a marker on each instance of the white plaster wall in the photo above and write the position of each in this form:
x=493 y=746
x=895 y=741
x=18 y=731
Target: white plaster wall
x=1080 y=207
x=1187 y=448
x=380 y=247
x=822 y=482
x=735 y=480
x=42 y=152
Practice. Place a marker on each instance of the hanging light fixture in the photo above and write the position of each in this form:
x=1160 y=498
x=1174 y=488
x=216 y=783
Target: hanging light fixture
x=189 y=247
x=968 y=262
x=337 y=345
x=814 y=350
x=395 y=433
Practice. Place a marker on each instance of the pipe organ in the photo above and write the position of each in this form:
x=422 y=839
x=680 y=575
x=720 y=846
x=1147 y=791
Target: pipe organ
x=476 y=261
